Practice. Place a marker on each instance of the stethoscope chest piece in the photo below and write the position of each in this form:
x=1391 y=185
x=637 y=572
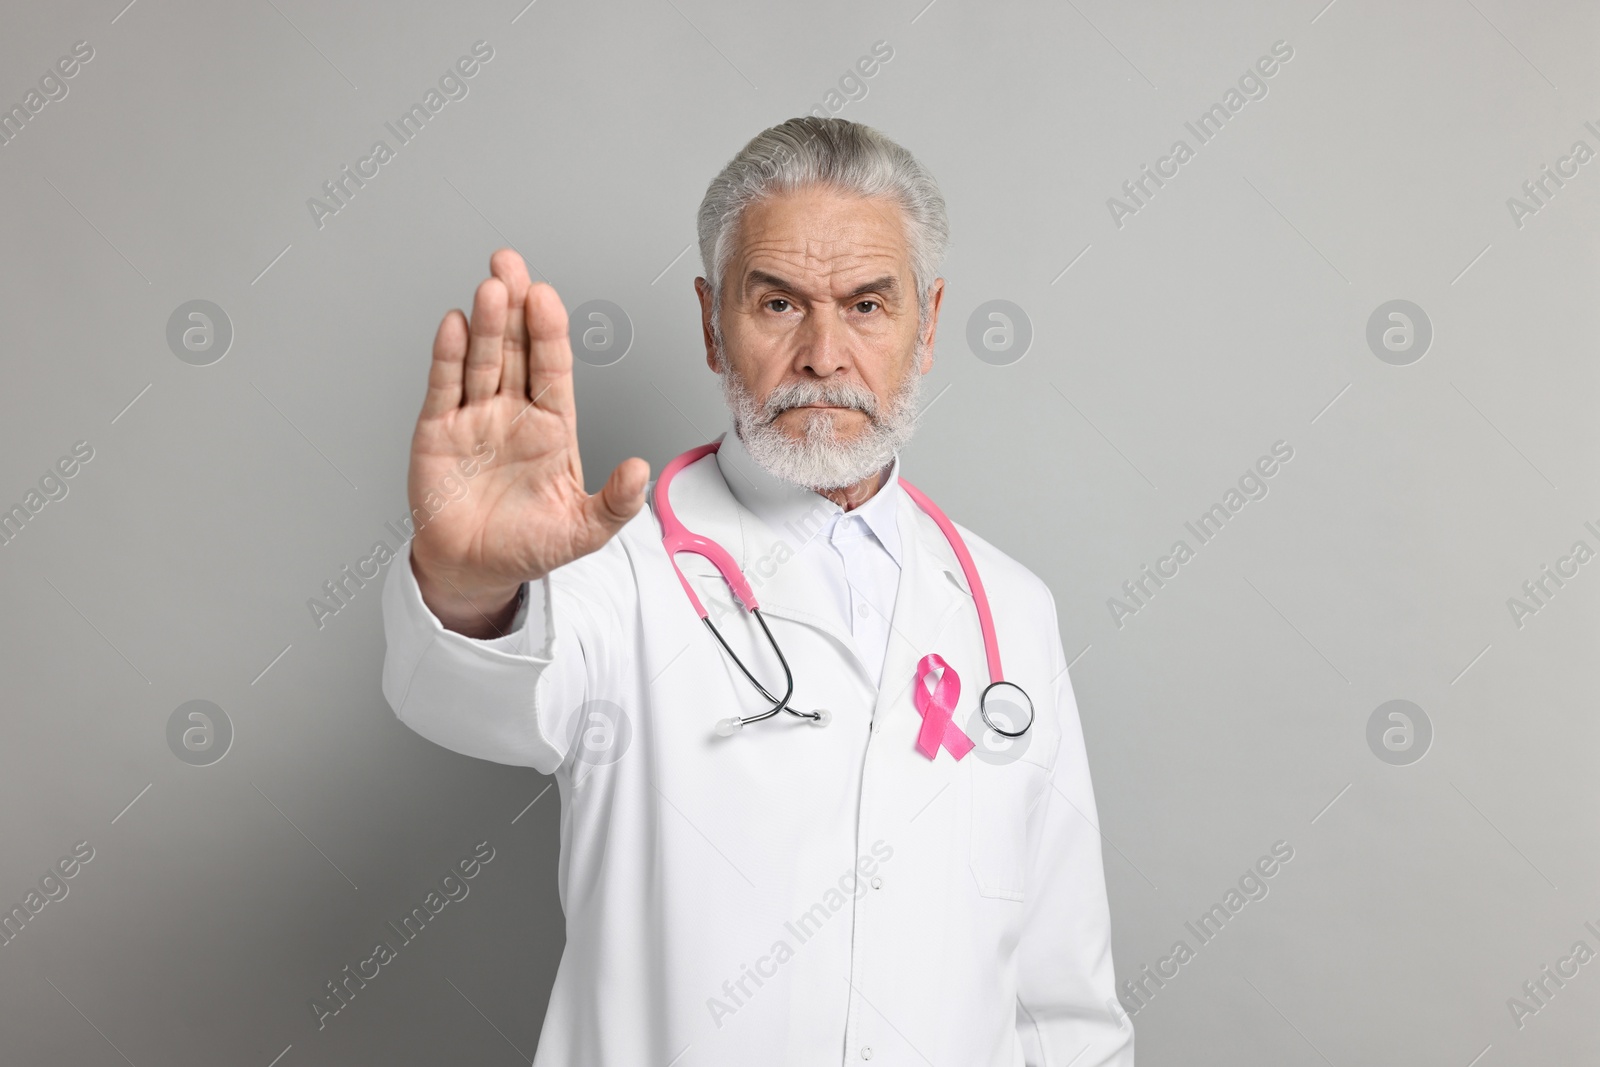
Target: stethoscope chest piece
x=1009 y=701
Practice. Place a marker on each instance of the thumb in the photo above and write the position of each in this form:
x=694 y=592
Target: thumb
x=620 y=498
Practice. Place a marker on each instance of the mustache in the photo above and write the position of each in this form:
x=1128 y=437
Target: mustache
x=791 y=395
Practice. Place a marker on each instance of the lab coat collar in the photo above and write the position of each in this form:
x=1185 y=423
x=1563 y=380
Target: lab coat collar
x=931 y=584
x=779 y=503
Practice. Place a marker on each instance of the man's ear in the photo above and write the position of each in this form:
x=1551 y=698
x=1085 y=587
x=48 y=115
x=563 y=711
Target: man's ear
x=936 y=297
x=702 y=289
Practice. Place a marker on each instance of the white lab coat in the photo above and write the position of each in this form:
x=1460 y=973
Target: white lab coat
x=792 y=894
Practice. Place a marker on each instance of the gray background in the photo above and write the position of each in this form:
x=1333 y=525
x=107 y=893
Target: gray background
x=1228 y=314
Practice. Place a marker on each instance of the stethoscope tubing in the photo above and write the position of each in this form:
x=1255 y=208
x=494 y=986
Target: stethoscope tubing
x=788 y=675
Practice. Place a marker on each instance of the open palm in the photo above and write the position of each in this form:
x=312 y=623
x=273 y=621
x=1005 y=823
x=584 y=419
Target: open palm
x=500 y=408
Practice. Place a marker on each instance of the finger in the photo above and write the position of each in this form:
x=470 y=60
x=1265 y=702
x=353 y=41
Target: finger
x=444 y=376
x=617 y=501
x=549 y=351
x=508 y=266
x=482 y=375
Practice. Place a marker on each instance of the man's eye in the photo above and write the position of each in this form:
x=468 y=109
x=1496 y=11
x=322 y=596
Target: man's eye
x=776 y=301
x=866 y=307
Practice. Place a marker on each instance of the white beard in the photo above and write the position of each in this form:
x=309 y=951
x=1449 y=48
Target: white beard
x=822 y=459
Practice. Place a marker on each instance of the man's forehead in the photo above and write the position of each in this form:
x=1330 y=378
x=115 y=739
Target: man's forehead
x=836 y=260
x=835 y=237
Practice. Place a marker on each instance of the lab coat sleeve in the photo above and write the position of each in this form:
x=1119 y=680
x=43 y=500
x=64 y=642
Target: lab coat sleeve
x=1067 y=1012
x=508 y=699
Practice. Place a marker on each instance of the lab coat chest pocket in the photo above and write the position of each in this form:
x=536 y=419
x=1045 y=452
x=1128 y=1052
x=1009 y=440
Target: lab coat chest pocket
x=1004 y=795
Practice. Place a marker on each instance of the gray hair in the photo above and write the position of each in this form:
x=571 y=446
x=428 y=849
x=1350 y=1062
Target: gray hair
x=830 y=152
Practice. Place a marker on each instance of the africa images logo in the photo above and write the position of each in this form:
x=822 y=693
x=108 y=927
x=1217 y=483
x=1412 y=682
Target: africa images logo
x=1252 y=485
x=851 y=885
x=341 y=589
x=1140 y=190
x=342 y=189
x=453 y=887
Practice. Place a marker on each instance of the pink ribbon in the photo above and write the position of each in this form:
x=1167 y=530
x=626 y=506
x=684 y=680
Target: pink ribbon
x=936 y=708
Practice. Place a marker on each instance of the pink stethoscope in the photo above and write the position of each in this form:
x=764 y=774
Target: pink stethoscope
x=675 y=538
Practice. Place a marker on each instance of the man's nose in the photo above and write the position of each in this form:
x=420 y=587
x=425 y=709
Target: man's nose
x=824 y=344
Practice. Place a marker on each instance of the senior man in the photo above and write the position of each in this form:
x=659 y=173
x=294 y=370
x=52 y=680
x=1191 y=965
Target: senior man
x=869 y=869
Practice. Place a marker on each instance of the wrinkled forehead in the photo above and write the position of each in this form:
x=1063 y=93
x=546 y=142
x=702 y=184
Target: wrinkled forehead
x=821 y=240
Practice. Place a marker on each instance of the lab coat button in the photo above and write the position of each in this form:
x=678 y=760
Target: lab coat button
x=866 y=1053
x=877 y=883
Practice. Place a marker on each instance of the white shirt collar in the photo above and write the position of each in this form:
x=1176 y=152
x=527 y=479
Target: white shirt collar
x=778 y=503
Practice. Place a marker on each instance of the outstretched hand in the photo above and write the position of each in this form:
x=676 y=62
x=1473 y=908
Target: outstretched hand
x=500 y=403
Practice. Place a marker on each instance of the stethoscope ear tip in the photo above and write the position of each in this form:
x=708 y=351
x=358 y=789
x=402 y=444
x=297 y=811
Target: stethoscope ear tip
x=821 y=717
x=728 y=727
